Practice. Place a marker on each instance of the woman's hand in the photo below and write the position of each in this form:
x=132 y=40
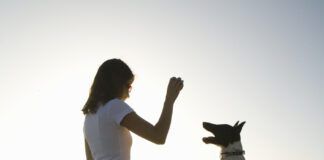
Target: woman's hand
x=174 y=88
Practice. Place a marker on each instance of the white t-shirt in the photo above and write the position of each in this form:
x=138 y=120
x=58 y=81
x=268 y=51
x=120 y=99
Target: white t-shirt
x=107 y=139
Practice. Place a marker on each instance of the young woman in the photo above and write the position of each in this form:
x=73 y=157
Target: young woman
x=108 y=119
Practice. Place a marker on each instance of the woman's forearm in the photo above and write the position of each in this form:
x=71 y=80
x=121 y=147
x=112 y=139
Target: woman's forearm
x=163 y=125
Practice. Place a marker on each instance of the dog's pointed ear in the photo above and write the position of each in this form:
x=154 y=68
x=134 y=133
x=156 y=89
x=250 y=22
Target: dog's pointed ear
x=235 y=125
x=238 y=128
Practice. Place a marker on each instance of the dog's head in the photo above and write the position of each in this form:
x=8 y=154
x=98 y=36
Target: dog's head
x=224 y=134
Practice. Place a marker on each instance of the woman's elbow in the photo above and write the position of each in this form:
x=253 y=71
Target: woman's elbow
x=159 y=140
x=158 y=137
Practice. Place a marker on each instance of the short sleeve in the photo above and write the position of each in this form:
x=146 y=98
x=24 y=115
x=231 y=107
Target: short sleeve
x=119 y=109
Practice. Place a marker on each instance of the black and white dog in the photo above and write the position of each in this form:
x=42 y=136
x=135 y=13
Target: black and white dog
x=228 y=138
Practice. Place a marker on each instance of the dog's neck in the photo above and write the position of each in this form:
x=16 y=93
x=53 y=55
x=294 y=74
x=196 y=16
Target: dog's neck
x=235 y=147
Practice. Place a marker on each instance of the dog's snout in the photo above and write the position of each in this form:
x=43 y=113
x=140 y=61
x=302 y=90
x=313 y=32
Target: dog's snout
x=207 y=125
x=204 y=123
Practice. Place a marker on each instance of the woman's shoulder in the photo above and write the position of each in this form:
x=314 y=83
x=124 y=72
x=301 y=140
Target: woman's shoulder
x=112 y=105
x=117 y=106
x=116 y=102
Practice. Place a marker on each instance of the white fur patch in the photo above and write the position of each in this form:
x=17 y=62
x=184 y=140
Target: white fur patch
x=234 y=147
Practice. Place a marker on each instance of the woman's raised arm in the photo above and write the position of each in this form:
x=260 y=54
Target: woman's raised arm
x=157 y=133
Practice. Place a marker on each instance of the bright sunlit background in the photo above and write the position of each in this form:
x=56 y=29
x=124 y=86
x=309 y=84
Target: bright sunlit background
x=259 y=62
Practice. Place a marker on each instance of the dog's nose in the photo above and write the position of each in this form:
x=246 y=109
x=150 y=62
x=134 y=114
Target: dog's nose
x=206 y=125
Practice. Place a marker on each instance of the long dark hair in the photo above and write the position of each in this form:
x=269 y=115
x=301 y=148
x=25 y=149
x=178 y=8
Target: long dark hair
x=111 y=77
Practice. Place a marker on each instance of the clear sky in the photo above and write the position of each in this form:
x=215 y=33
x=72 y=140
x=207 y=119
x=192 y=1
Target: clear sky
x=259 y=62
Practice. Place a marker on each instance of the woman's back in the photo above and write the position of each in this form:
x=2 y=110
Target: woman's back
x=107 y=139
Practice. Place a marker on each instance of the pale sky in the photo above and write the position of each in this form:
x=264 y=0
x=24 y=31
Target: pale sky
x=259 y=62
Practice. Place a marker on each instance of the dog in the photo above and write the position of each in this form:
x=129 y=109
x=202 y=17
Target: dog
x=228 y=138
